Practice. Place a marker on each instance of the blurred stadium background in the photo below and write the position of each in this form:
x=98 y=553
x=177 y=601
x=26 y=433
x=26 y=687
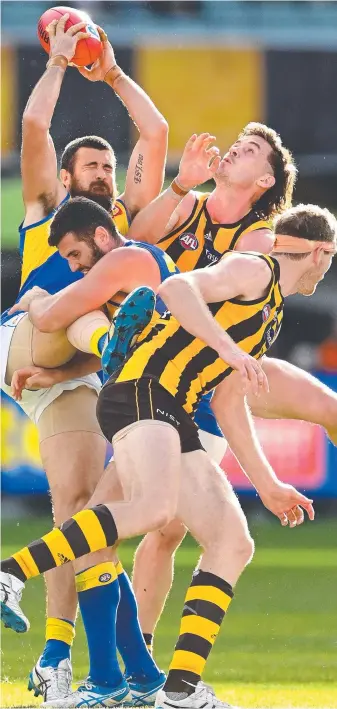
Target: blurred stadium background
x=209 y=66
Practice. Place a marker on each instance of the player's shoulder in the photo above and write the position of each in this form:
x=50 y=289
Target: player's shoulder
x=248 y=264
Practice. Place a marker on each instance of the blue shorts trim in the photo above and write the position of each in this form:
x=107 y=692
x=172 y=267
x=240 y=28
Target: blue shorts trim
x=204 y=417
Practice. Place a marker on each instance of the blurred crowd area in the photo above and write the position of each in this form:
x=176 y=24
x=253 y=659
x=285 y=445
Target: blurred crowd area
x=237 y=14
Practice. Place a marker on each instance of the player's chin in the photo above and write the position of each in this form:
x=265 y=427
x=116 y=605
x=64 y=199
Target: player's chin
x=308 y=290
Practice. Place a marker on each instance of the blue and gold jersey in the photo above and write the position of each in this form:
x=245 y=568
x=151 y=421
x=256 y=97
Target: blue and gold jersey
x=42 y=264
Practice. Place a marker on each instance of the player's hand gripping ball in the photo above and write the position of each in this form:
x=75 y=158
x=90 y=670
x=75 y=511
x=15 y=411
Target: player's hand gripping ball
x=88 y=47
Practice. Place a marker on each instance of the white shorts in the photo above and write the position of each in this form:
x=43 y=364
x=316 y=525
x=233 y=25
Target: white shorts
x=34 y=403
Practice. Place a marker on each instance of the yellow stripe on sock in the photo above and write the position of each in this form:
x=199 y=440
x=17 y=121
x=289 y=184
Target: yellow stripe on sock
x=92 y=529
x=208 y=593
x=119 y=568
x=58 y=546
x=95 y=338
x=184 y=660
x=26 y=563
x=199 y=626
x=99 y=575
x=58 y=629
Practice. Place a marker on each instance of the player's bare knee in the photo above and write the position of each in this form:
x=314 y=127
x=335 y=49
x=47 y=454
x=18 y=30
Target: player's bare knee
x=165 y=540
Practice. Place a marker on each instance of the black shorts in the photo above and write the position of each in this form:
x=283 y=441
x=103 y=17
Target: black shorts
x=123 y=403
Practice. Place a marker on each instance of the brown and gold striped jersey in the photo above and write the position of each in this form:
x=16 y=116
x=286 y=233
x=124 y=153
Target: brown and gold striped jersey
x=199 y=241
x=188 y=368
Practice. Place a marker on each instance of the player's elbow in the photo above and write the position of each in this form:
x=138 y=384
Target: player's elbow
x=33 y=122
x=158 y=130
x=171 y=286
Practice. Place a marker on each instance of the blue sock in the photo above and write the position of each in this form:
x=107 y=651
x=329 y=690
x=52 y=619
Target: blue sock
x=98 y=596
x=59 y=637
x=139 y=664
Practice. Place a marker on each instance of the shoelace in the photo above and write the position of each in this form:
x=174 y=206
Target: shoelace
x=205 y=691
x=59 y=681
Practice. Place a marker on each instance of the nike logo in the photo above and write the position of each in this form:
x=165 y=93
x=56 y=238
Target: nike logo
x=190 y=609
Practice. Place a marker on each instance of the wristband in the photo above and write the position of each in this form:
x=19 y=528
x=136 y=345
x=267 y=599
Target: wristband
x=59 y=60
x=178 y=189
x=113 y=74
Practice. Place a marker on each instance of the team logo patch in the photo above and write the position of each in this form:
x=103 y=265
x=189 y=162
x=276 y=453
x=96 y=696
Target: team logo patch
x=189 y=241
x=272 y=331
x=104 y=578
x=265 y=313
x=116 y=211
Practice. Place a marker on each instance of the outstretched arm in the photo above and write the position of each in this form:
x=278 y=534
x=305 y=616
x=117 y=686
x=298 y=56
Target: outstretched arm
x=237 y=425
x=145 y=173
x=198 y=164
x=121 y=270
x=42 y=191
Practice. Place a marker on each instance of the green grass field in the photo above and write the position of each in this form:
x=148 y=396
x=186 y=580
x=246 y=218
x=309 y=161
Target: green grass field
x=278 y=646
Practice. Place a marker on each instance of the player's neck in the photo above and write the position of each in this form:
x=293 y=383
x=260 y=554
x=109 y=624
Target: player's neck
x=289 y=275
x=227 y=205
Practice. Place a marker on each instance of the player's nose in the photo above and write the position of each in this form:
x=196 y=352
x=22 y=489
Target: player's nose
x=74 y=266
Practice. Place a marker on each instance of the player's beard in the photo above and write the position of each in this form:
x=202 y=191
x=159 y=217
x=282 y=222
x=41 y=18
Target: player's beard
x=105 y=199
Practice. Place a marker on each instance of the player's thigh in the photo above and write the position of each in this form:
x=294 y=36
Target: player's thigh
x=148 y=456
x=72 y=449
x=207 y=503
x=293 y=393
x=30 y=346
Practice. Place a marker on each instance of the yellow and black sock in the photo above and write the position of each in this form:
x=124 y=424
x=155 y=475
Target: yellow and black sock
x=87 y=531
x=206 y=603
x=148 y=637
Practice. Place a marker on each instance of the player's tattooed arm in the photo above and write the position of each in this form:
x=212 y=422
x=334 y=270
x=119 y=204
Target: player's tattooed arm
x=42 y=191
x=199 y=162
x=146 y=169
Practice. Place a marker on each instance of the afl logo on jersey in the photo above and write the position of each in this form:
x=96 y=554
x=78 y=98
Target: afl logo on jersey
x=189 y=241
x=265 y=313
x=116 y=211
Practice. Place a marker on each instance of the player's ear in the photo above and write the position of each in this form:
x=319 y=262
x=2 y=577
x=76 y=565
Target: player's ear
x=266 y=181
x=102 y=236
x=65 y=178
x=318 y=255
